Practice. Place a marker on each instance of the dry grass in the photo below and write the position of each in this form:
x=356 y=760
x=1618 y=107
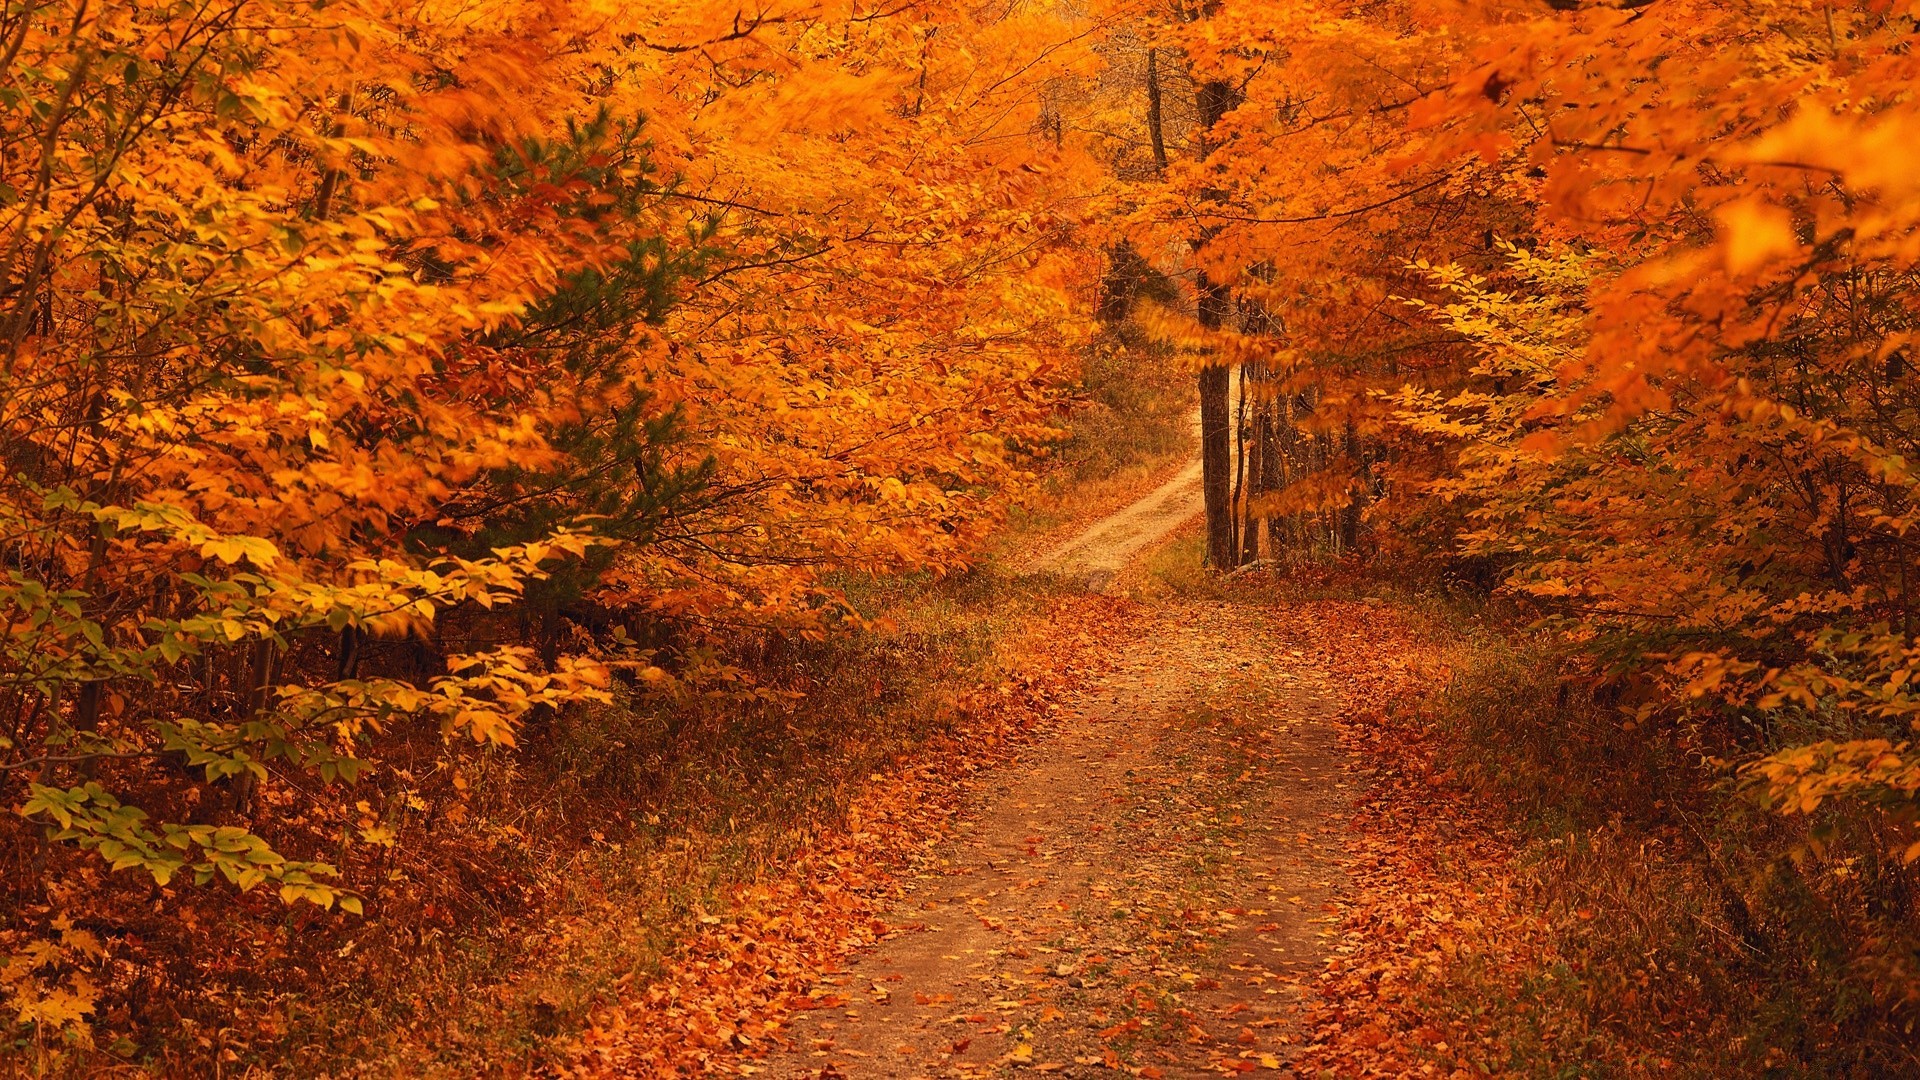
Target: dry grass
x=584 y=861
x=1685 y=933
x=672 y=808
x=1638 y=918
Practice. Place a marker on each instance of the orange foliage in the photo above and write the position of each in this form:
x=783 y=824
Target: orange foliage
x=1611 y=305
x=382 y=375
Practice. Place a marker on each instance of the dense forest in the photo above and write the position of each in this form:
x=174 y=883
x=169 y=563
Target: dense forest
x=520 y=525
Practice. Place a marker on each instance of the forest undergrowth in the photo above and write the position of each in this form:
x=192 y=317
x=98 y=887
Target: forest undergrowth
x=681 y=818
x=1662 y=925
x=1537 y=889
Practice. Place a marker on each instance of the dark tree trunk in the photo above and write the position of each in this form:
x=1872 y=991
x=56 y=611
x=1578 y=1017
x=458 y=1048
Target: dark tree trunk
x=1155 y=130
x=1216 y=418
x=1272 y=478
x=1216 y=463
x=1356 y=499
x=346 y=663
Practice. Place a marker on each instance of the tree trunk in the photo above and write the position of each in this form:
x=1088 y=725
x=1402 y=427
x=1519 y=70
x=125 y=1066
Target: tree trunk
x=1216 y=463
x=1255 y=412
x=1155 y=130
x=1272 y=476
x=1240 y=470
x=1216 y=420
x=1356 y=498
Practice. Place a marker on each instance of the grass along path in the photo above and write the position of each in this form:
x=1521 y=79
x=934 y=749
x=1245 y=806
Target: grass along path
x=1127 y=860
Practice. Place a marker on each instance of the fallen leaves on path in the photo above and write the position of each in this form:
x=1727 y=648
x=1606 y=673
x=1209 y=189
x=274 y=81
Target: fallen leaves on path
x=1142 y=891
x=1426 y=868
x=1424 y=892
x=759 y=957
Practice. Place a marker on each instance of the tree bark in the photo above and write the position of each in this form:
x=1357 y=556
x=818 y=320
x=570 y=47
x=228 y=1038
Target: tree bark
x=1216 y=463
x=1356 y=499
x=1272 y=478
x=1155 y=130
x=1215 y=98
x=1254 y=410
x=1240 y=471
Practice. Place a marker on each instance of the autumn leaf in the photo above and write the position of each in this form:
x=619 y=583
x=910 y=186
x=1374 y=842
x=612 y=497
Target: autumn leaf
x=1754 y=233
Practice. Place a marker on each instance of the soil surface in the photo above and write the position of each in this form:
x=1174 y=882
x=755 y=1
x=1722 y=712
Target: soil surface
x=1145 y=891
x=1095 y=557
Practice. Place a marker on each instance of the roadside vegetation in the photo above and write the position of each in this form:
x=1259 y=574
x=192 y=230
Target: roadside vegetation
x=1537 y=888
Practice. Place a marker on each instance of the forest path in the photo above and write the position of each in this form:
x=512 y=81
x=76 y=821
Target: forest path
x=1146 y=889
x=1095 y=556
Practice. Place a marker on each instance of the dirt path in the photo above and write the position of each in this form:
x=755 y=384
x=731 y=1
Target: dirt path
x=1145 y=890
x=1096 y=556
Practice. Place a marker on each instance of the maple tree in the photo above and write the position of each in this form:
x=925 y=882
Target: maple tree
x=392 y=375
x=1609 y=306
